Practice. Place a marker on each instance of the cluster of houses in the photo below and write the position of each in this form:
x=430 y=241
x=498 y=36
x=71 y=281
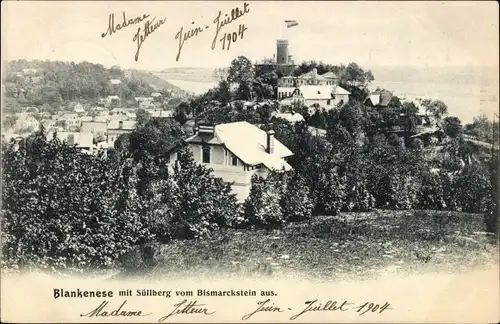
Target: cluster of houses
x=89 y=129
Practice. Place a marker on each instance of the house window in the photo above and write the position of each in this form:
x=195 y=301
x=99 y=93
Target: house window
x=328 y=102
x=234 y=160
x=206 y=154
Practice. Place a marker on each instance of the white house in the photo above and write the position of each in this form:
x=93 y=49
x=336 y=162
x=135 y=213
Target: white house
x=78 y=109
x=117 y=127
x=159 y=113
x=71 y=121
x=115 y=81
x=84 y=141
x=112 y=101
x=237 y=151
x=291 y=117
x=327 y=97
x=26 y=122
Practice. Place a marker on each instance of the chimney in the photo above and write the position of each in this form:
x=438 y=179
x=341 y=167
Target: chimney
x=315 y=72
x=120 y=124
x=270 y=142
x=204 y=128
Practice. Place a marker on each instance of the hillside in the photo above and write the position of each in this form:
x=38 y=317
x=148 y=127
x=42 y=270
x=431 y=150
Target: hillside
x=155 y=81
x=60 y=84
x=188 y=74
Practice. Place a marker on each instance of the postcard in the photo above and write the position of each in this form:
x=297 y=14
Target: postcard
x=250 y=161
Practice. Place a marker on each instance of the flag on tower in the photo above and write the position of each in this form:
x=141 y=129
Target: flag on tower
x=291 y=23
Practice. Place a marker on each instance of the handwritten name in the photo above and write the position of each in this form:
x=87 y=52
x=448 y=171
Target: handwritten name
x=235 y=14
x=187 y=308
x=141 y=35
x=112 y=28
x=101 y=311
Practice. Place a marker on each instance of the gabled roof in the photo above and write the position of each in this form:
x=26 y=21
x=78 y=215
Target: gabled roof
x=69 y=116
x=310 y=75
x=86 y=118
x=316 y=92
x=248 y=143
x=380 y=98
x=126 y=124
x=329 y=75
x=340 y=91
x=80 y=139
x=96 y=126
x=161 y=113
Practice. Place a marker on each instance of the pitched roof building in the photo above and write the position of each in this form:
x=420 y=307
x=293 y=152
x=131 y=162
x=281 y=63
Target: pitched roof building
x=237 y=151
x=379 y=98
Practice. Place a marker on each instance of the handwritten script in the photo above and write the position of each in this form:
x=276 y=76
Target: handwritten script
x=220 y=21
x=193 y=307
x=141 y=34
x=103 y=311
x=148 y=25
x=267 y=306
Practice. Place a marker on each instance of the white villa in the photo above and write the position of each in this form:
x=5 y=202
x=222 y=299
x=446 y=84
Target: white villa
x=321 y=96
x=237 y=151
x=309 y=78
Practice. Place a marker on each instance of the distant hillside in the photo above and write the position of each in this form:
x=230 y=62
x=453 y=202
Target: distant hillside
x=188 y=74
x=59 y=84
x=155 y=81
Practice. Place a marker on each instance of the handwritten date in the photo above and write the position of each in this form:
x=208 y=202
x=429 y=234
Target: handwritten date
x=229 y=38
x=268 y=306
x=221 y=22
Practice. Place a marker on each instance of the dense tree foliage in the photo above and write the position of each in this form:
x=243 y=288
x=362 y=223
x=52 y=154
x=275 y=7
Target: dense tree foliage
x=62 y=208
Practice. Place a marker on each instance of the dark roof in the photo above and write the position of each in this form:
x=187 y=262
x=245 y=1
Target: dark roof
x=384 y=98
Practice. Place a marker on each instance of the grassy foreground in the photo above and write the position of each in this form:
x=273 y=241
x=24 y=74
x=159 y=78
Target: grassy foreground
x=347 y=246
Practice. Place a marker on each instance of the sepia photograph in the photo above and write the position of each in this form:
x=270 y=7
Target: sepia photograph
x=250 y=161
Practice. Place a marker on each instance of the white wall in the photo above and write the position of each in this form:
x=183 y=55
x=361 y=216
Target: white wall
x=240 y=178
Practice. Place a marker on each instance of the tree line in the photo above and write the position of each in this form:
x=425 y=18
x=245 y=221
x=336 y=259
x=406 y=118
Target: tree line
x=66 y=209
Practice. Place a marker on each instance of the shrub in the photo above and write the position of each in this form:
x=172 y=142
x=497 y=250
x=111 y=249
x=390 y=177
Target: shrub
x=296 y=203
x=431 y=194
x=332 y=195
x=201 y=202
x=262 y=207
x=474 y=188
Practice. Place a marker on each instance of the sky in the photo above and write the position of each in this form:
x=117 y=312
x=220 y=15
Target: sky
x=393 y=34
